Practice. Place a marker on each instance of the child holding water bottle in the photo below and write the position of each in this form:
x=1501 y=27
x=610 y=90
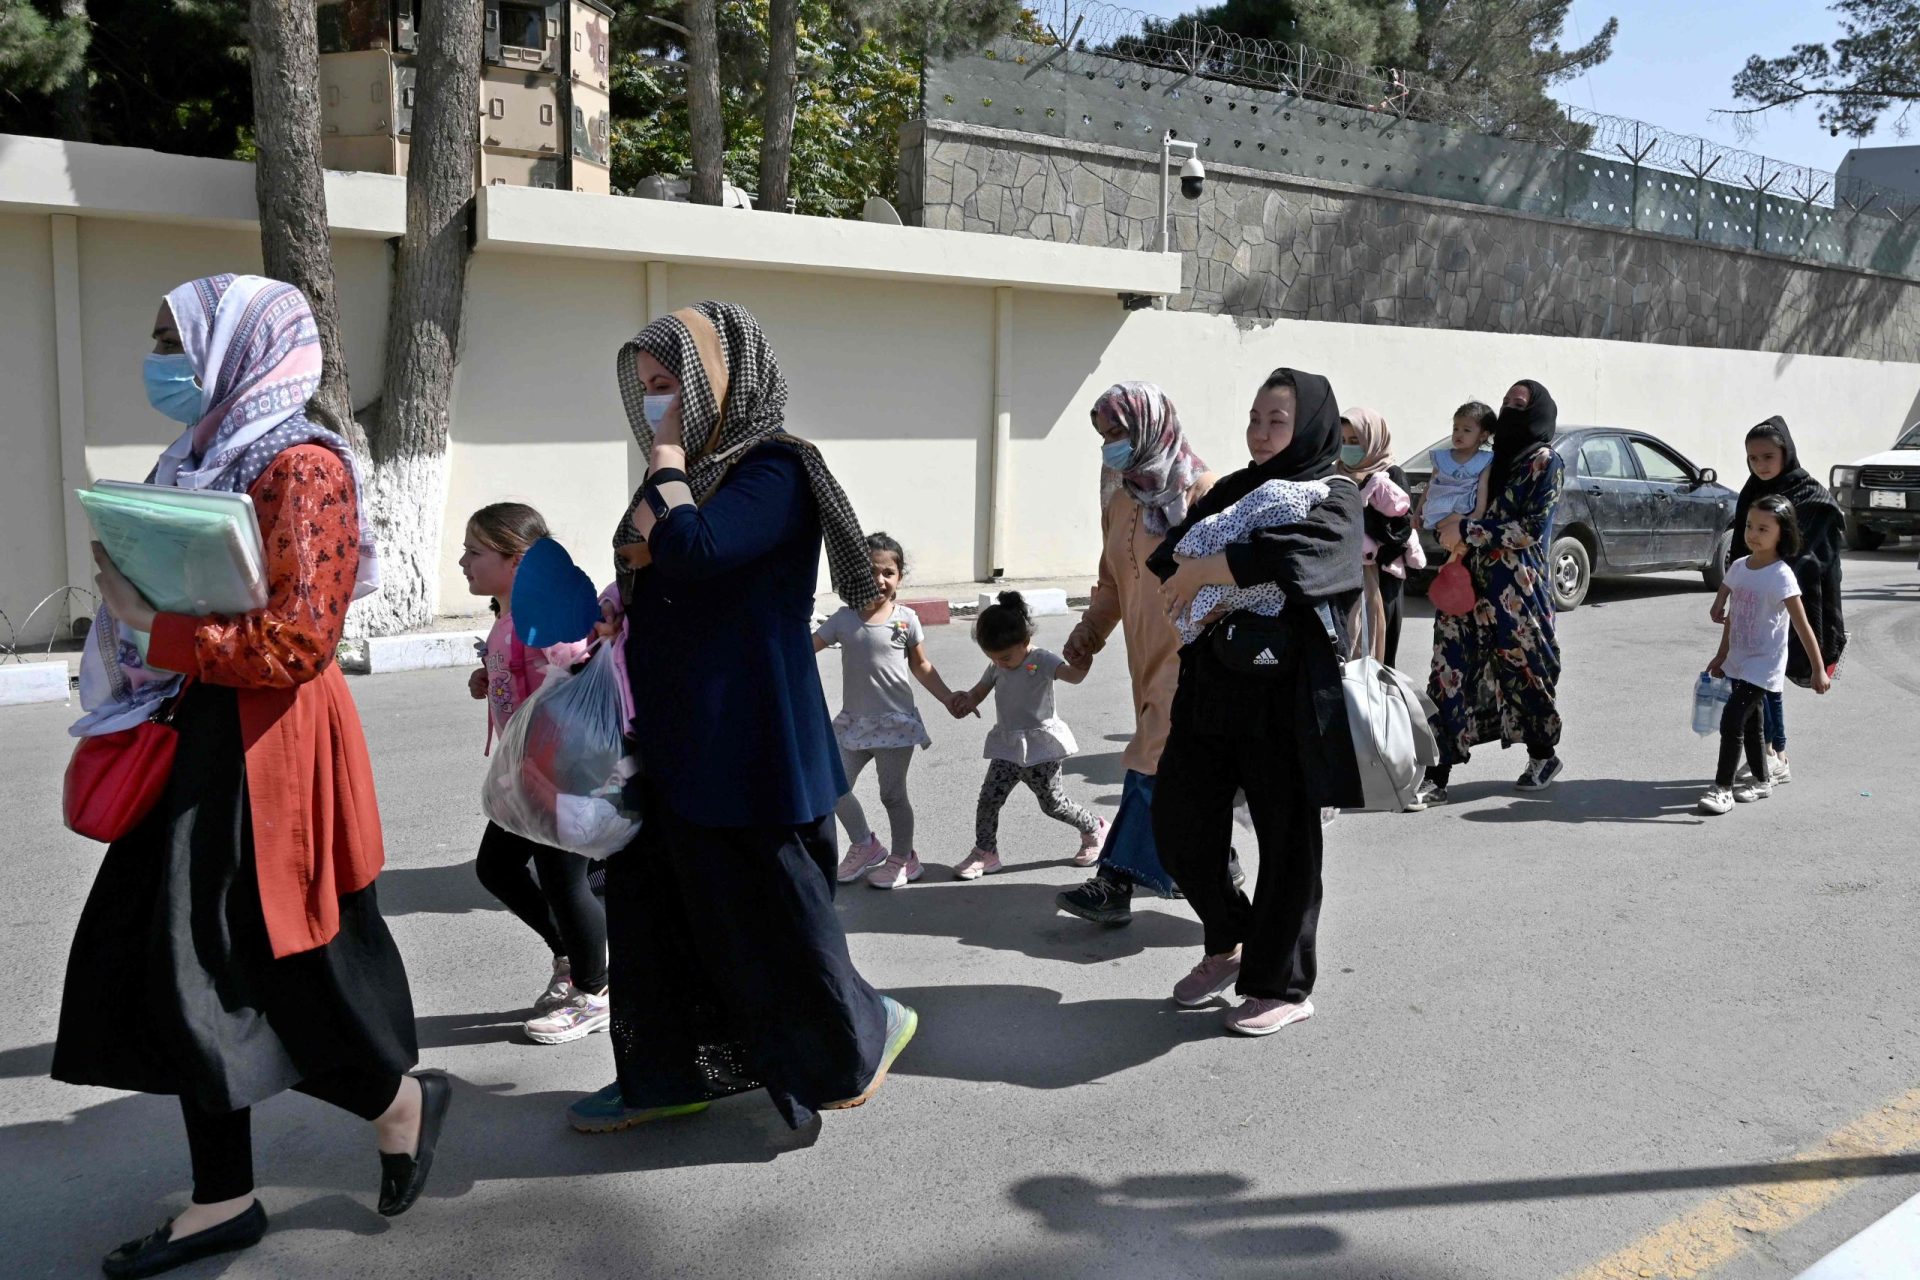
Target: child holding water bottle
x=1763 y=605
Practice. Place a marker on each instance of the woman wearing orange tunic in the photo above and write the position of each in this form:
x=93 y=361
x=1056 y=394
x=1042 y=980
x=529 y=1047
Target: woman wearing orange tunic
x=232 y=947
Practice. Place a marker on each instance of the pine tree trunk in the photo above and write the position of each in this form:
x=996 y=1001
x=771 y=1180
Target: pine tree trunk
x=290 y=185
x=703 y=102
x=70 y=99
x=776 y=137
x=408 y=441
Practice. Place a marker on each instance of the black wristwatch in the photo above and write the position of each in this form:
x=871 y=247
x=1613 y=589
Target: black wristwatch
x=650 y=491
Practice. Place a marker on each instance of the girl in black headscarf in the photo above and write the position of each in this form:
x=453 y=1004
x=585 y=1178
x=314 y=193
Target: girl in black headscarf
x=1773 y=464
x=1495 y=669
x=1258 y=708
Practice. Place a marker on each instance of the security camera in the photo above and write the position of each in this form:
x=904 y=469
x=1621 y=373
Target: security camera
x=1193 y=177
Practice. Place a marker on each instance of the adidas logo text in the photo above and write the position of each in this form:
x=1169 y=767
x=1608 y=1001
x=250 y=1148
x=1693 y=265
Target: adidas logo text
x=1266 y=659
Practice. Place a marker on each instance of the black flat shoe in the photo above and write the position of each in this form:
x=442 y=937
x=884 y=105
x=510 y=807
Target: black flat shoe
x=151 y=1255
x=403 y=1178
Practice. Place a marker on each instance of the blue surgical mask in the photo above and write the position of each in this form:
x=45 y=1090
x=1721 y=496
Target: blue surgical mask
x=1352 y=455
x=172 y=388
x=655 y=409
x=1117 y=454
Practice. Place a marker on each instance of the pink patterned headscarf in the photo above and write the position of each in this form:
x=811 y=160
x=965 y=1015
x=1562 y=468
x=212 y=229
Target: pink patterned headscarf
x=255 y=350
x=1163 y=467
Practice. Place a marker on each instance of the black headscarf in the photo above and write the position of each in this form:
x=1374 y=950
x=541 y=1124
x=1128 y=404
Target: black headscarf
x=1520 y=432
x=1318 y=557
x=1793 y=483
x=1822 y=534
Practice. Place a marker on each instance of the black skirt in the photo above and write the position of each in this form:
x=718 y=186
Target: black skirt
x=172 y=986
x=729 y=968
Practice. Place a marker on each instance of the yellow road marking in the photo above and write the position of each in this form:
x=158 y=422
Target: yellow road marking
x=1721 y=1228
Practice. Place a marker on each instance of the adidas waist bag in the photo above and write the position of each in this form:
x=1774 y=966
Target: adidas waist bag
x=1257 y=647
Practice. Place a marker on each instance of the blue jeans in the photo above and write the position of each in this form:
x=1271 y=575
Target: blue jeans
x=1774 y=713
x=1131 y=853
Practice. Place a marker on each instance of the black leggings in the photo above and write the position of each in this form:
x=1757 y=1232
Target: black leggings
x=561 y=907
x=1393 y=602
x=1740 y=726
x=220 y=1143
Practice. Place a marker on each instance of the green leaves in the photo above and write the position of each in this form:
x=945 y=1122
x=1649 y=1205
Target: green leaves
x=39 y=54
x=1873 y=67
x=855 y=93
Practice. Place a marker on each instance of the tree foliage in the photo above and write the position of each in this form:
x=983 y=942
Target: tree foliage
x=1496 y=57
x=858 y=85
x=168 y=75
x=39 y=53
x=1505 y=55
x=1871 y=69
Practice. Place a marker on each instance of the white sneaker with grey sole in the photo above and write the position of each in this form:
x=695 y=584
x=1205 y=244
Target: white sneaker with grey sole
x=583 y=1014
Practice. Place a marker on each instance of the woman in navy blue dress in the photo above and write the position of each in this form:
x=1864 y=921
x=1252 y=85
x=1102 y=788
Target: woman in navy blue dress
x=729 y=969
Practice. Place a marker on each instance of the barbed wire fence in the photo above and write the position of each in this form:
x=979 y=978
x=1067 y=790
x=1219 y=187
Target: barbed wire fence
x=1201 y=52
x=62 y=600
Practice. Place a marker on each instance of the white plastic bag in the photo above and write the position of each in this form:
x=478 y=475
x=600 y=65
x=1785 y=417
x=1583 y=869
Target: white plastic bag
x=560 y=770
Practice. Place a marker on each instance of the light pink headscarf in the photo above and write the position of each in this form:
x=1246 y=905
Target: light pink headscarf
x=255 y=350
x=1163 y=466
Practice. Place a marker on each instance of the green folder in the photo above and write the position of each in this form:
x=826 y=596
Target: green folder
x=189 y=551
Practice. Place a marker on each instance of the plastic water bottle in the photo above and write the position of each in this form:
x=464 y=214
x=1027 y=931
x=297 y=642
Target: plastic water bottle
x=1709 y=701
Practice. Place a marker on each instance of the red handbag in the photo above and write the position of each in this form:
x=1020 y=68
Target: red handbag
x=1452 y=589
x=115 y=779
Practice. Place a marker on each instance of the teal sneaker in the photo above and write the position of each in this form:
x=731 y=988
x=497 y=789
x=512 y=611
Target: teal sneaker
x=902 y=1022
x=607 y=1112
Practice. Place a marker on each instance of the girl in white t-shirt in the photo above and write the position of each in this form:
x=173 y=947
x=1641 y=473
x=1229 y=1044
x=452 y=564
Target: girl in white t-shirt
x=880 y=647
x=1761 y=598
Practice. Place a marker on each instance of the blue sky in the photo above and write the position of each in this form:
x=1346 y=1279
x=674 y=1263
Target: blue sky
x=1673 y=63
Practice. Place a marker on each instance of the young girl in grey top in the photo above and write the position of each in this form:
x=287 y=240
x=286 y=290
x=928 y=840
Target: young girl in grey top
x=1027 y=741
x=879 y=648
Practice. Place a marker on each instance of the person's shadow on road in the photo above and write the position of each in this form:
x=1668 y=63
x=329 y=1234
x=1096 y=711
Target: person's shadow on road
x=1035 y=1038
x=1008 y=915
x=1624 y=800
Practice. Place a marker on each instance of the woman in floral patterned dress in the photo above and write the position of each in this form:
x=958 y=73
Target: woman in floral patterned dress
x=1495 y=669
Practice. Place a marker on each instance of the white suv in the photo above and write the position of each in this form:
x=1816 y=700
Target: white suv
x=1881 y=494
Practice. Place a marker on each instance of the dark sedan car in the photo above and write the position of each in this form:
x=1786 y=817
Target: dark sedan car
x=1630 y=503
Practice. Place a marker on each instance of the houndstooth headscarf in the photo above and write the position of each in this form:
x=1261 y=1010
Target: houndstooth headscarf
x=721 y=342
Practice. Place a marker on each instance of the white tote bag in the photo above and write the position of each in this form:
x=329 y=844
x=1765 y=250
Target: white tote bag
x=1388 y=716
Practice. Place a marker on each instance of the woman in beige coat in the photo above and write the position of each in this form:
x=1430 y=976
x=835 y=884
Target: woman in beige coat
x=1150 y=479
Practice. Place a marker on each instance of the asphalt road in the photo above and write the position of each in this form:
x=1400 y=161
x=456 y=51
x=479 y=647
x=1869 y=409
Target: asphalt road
x=1547 y=1025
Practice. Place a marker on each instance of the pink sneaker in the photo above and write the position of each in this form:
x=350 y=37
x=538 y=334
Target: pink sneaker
x=977 y=864
x=896 y=872
x=1091 y=845
x=1209 y=978
x=860 y=859
x=1261 y=1017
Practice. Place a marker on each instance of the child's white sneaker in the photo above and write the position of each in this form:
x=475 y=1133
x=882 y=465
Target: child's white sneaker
x=1717 y=800
x=1778 y=766
x=559 y=989
x=1747 y=793
x=583 y=1014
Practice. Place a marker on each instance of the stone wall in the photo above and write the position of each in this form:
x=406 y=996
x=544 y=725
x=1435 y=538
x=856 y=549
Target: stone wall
x=1264 y=246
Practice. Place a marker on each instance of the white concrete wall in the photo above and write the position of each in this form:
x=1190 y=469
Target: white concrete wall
x=892 y=375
